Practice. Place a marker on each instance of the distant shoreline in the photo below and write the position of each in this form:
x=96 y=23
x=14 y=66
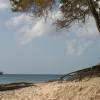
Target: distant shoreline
x=34 y=78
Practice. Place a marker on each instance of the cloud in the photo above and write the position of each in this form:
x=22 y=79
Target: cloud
x=39 y=29
x=3 y=4
x=78 y=47
x=18 y=20
x=34 y=30
x=31 y=27
x=79 y=38
x=89 y=28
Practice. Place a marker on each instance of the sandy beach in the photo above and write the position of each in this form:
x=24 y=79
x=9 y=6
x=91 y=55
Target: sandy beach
x=82 y=90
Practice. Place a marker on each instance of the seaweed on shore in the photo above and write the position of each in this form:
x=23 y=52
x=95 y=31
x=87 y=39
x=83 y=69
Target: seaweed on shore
x=13 y=86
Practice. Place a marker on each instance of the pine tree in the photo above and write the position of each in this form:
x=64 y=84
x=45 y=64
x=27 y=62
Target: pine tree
x=73 y=10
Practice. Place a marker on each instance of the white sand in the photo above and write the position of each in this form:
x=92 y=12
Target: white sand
x=84 y=90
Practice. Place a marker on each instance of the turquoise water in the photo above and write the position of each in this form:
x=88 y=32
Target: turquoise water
x=10 y=78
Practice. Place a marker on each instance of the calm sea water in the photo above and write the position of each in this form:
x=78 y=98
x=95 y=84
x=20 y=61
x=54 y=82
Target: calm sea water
x=10 y=78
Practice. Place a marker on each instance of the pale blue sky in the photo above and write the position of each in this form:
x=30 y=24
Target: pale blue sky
x=37 y=48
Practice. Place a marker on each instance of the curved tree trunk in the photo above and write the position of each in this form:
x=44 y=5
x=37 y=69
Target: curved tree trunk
x=95 y=14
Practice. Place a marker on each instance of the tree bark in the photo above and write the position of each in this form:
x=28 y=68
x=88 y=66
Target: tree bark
x=94 y=13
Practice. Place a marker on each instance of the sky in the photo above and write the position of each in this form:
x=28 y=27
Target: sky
x=32 y=46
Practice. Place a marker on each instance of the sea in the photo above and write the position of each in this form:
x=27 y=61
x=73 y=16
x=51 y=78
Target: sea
x=34 y=78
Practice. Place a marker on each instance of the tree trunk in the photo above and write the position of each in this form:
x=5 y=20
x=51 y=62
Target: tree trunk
x=95 y=14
